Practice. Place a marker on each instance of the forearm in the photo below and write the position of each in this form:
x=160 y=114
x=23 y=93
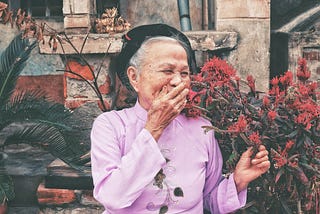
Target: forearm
x=119 y=180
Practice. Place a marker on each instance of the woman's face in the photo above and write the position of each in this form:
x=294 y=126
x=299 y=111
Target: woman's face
x=166 y=64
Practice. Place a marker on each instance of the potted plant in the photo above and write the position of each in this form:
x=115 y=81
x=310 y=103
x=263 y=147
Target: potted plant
x=30 y=118
x=286 y=120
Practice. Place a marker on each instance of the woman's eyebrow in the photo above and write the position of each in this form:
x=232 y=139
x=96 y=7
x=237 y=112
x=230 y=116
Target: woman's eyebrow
x=166 y=64
x=171 y=65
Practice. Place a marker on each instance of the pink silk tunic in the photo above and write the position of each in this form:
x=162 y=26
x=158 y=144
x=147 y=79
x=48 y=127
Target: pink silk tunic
x=125 y=159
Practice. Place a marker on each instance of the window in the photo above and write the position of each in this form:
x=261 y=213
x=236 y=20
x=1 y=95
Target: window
x=38 y=8
x=103 y=4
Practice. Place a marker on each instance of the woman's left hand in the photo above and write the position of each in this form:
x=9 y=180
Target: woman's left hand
x=249 y=169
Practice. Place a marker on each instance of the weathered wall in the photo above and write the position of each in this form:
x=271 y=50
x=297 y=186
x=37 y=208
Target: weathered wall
x=40 y=72
x=304 y=44
x=251 y=20
x=139 y=12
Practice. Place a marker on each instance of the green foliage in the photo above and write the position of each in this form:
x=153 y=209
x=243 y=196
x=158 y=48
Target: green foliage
x=30 y=118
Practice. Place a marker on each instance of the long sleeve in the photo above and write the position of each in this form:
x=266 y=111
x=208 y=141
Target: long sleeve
x=121 y=171
x=220 y=194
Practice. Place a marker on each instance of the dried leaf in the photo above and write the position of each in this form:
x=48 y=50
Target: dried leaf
x=19 y=20
x=55 y=45
x=3 y=6
x=7 y=16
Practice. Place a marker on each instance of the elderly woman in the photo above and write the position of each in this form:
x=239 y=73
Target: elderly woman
x=151 y=158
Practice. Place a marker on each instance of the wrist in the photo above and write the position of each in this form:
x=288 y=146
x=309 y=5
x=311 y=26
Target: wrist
x=240 y=184
x=156 y=133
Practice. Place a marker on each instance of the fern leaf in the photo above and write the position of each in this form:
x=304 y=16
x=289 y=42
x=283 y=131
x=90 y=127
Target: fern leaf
x=12 y=61
x=48 y=138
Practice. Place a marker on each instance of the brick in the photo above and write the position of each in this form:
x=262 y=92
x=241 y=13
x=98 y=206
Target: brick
x=54 y=90
x=3 y=208
x=106 y=104
x=87 y=198
x=55 y=196
x=75 y=103
x=105 y=87
x=82 y=70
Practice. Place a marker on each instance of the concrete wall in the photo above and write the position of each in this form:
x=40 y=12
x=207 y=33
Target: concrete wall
x=139 y=12
x=251 y=20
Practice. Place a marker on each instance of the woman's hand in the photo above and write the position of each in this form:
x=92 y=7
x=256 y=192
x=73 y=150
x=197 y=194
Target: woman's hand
x=165 y=107
x=249 y=169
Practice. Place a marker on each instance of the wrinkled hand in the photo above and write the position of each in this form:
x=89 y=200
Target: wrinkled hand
x=249 y=169
x=165 y=107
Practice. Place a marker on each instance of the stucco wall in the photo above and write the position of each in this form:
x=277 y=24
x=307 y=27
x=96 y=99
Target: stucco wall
x=251 y=20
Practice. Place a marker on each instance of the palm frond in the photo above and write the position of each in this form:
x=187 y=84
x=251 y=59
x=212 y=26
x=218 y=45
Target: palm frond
x=33 y=106
x=6 y=187
x=50 y=139
x=12 y=61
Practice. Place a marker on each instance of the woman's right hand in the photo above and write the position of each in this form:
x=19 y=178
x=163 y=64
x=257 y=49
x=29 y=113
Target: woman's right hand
x=165 y=107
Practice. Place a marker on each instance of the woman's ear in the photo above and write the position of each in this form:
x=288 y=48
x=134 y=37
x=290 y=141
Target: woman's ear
x=133 y=77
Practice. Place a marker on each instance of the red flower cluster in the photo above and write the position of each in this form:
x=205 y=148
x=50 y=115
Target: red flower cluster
x=286 y=120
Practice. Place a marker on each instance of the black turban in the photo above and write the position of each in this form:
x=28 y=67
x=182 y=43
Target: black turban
x=133 y=39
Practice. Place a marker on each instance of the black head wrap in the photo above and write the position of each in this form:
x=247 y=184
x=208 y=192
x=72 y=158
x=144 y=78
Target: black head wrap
x=133 y=39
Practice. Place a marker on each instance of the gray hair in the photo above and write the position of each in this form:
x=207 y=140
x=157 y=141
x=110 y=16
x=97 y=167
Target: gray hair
x=138 y=57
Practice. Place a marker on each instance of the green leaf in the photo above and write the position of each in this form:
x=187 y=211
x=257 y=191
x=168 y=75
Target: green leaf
x=292 y=134
x=6 y=188
x=163 y=209
x=12 y=61
x=285 y=206
x=178 y=192
x=280 y=172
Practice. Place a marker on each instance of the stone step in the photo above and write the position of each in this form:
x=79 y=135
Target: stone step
x=61 y=176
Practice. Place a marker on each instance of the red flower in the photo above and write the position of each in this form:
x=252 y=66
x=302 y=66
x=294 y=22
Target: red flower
x=289 y=145
x=286 y=79
x=272 y=115
x=255 y=138
x=304 y=119
x=240 y=125
x=251 y=83
x=266 y=101
x=274 y=81
x=218 y=70
x=302 y=71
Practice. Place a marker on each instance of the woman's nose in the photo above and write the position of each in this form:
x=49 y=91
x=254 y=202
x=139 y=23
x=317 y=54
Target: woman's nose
x=176 y=79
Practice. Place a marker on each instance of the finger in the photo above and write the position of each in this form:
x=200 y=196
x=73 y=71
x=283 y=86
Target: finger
x=247 y=153
x=264 y=165
x=178 y=90
x=182 y=106
x=262 y=154
x=261 y=148
x=182 y=97
x=259 y=160
x=179 y=102
x=163 y=91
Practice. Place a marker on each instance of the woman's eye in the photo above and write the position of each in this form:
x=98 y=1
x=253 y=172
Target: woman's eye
x=185 y=73
x=167 y=71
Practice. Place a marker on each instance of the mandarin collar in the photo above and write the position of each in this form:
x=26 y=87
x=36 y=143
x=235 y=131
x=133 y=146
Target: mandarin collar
x=140 y=111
